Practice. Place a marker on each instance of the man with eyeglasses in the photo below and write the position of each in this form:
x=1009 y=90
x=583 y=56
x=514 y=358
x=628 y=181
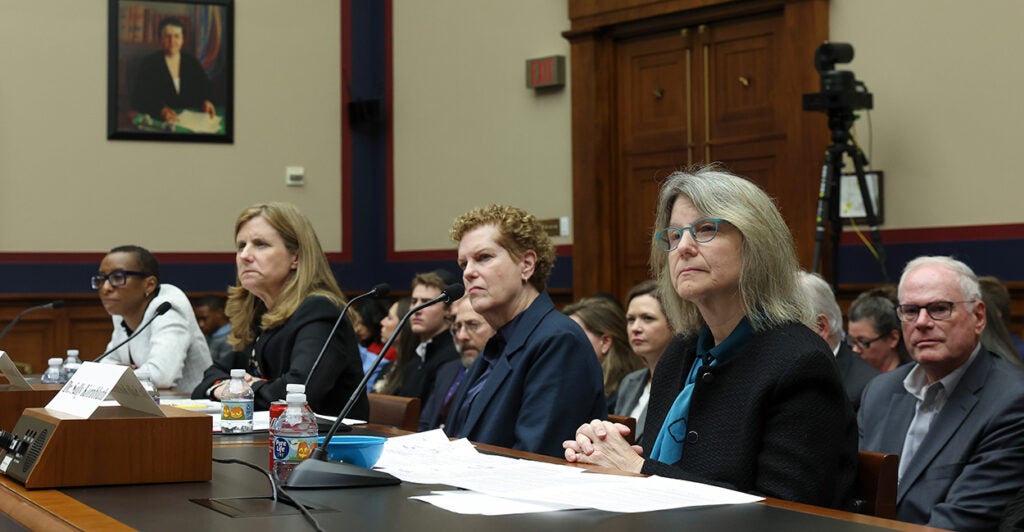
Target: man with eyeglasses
x=956 y=416
x=828 y=323
x=470 y=332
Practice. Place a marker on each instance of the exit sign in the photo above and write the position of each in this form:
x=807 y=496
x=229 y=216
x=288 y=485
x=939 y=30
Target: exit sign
x=545 y=72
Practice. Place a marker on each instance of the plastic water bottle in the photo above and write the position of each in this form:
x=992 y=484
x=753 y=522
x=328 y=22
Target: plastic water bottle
x=53 y=374
x=236 y=401
x=276 y=409
x=294 y=436
x=147 y=384
x=71 y=364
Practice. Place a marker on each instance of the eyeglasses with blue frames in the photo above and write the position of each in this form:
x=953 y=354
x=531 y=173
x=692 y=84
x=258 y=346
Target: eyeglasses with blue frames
x=117 y=278
x=703 y=231
x=937 y=310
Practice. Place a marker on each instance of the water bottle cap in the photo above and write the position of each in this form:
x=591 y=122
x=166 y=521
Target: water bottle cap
x=73 y=353
x=237 y=373
x=296 y=398
x=56 y=361
x=295 y=388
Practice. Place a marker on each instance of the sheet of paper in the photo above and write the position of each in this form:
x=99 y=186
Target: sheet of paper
x=429 y=458
x=470 y=503
x=199 y=122
x=93 y=383
x=10 y=371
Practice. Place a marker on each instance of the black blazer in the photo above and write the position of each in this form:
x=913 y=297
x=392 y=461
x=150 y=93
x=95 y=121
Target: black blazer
x=855 y=372
x=419 y=375
x=773 y=420
x=285 y=355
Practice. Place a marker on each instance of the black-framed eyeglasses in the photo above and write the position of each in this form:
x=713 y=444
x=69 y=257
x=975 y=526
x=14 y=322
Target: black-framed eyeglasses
x=863 y=344
x=117 y=278
x=703 y=231
x=937 y=310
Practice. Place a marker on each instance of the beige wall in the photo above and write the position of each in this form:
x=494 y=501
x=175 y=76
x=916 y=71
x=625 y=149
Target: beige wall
x=467 y=132
x=947 y=78
x=83 y=192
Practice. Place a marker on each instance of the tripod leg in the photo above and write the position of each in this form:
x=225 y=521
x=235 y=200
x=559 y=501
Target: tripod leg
x=822 y=211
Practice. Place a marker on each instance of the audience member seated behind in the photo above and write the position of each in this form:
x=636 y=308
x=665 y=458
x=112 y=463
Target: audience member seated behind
x=537 y=378
x=471 y=333
x=649 y=333
x=604 y=323
x=282 y=309
x=749 y=397
x=172 y=348
x=371 y=312
x=214 y=324
x=390 y=379
x=874 y=331
x=956 y=416
x=430 y=327
x=997 y=336
x=828 y=323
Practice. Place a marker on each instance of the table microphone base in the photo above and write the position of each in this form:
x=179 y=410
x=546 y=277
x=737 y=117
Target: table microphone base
x=318 y=474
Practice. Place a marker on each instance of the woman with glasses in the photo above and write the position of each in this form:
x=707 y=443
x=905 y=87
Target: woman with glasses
x=172 y=348
x=649 y=334
x=604 y=323
x=874 y=331
x=282 y=310
x=748 y=397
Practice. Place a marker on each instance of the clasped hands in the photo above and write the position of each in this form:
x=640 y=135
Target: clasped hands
x=602 y=443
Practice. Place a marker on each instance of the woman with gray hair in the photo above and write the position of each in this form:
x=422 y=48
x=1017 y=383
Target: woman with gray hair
x=748 y=397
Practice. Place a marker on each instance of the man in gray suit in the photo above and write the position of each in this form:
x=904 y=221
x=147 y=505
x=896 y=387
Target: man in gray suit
x=956 y=417
x=828 y=320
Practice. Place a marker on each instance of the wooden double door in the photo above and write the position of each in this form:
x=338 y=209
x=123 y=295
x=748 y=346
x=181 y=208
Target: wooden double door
x=683 y=94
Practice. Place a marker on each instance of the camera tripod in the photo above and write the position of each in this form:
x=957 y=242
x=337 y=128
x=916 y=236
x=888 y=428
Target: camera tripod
x=827 y=217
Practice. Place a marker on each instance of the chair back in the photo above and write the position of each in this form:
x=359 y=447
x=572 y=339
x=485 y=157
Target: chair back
x=877 y=475
x=627 y=421
x=395 y=411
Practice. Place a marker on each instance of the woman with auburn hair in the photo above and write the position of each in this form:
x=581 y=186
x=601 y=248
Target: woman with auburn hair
x=282 y=309
x=537 y=378
x=605 y=326
x=748 y=397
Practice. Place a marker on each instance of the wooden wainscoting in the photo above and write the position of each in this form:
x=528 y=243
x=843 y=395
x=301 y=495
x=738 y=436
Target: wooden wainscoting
x=81 y=324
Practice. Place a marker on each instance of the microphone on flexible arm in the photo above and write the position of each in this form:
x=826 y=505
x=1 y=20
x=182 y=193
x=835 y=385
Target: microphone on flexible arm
x=380 y=290
x=316 y=471
x=52 y=304
x=160 y=311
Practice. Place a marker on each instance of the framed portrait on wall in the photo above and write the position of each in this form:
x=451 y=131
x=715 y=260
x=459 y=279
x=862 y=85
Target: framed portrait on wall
x=170 y=70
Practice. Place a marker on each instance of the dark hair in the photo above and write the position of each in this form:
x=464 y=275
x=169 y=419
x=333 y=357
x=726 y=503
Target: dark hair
x=213 y=302
x=169 y=21
x=371 y=311
x=877 y=307
x=405 y=344
x=147 y=263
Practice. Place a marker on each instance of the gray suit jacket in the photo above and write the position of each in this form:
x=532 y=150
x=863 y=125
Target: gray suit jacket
x=630 y=389
x=971 y=462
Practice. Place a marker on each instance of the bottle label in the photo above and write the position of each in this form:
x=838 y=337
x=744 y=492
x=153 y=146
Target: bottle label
x=236 y=411
x=293 y=449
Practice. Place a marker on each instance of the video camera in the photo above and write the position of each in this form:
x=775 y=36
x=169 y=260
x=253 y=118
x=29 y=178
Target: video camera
x=840 y=90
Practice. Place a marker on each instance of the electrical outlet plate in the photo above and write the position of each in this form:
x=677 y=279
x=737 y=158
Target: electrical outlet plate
x=295 y=176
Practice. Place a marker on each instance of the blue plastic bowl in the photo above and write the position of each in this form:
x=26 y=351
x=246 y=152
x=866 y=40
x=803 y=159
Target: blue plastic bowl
x=362 y=451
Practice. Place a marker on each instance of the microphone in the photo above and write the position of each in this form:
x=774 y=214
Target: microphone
x=52 y=304
x=160 y=311
x=316 y=471
x=380 y=290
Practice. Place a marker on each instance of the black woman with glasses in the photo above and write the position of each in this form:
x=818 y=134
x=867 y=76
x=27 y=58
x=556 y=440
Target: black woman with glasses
x=172 y=348
x=748 y=397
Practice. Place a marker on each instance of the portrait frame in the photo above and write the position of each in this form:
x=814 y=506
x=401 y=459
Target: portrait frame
x=150 y=39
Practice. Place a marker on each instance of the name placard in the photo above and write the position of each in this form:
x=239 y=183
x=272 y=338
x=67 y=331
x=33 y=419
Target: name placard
x=10 y=371
x=94 y=383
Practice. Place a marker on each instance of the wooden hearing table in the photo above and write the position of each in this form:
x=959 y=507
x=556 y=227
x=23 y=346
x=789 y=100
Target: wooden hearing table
x=169 y=506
